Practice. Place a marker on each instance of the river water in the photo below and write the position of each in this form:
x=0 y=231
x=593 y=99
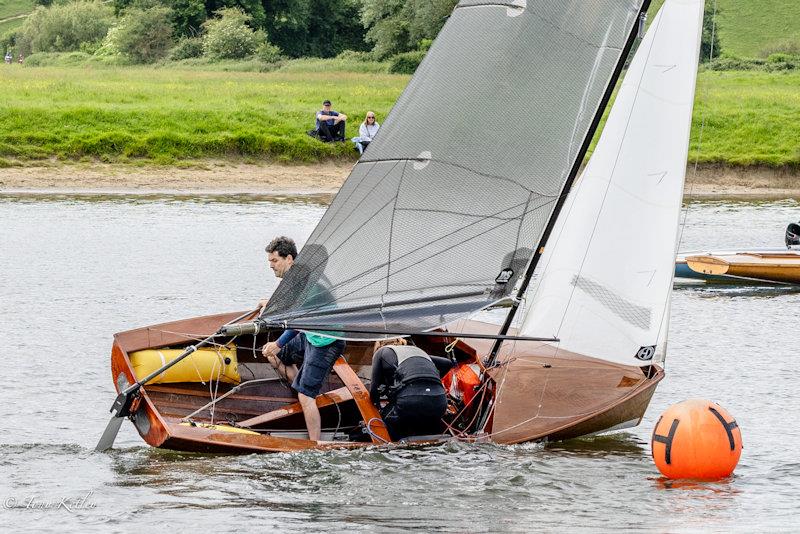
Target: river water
x=75 y=269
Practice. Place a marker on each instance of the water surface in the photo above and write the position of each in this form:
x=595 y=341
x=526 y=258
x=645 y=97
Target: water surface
x=74 y=269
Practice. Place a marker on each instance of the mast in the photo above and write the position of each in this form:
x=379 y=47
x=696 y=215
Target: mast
x=636 y=30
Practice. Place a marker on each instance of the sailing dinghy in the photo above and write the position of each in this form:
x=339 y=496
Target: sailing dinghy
x=469 y=199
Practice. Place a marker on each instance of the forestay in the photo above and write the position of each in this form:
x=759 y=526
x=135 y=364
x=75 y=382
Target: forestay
x=440 y=216
x=605 y=278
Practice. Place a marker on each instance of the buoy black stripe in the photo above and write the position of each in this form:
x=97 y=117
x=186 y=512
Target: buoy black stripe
x=667 y=440
x=728 y=426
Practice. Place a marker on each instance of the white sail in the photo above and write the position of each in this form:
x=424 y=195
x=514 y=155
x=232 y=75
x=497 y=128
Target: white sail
x=603 y=284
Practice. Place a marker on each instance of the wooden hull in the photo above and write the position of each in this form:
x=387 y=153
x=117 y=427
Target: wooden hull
x=775 y=267
x=544 y=397
x=685 y=274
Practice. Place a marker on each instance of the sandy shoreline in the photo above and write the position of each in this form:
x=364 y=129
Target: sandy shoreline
x=269 y=179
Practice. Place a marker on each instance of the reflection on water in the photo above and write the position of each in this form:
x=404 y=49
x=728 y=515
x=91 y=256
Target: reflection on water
x=76 y=268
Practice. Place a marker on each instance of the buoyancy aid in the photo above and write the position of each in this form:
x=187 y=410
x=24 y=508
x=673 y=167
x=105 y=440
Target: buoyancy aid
x=413 y=365
x=461 y=382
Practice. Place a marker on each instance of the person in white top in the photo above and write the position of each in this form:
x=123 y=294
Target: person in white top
x=366 y=132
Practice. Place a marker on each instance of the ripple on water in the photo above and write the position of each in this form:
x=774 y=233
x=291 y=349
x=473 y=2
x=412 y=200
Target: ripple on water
x=87 y=266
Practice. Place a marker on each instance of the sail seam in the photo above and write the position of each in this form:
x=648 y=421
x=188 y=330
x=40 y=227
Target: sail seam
x=354 y=209
x=344 y=202
x=391 y=227
x=469 y=169
x=461 y=213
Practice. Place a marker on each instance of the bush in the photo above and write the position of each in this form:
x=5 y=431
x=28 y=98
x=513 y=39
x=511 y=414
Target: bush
x=64 y=27
x=188 y=47
x=780 y=61
x=8 y=40
x=144 y=35
x=229 y=37
x=356 y=55
x=787 y=46
x=268 y=53
x=57 y=59
x=735 y=63
x=407 y=62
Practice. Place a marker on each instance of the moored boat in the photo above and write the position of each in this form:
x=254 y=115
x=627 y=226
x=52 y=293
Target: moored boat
x=685 y=274
x=774 y=266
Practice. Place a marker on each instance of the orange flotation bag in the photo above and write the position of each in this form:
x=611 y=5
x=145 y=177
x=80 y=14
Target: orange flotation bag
x=462 y=381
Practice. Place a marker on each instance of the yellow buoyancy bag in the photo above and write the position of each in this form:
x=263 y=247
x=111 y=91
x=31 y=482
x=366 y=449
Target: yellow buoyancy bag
x=206 y=364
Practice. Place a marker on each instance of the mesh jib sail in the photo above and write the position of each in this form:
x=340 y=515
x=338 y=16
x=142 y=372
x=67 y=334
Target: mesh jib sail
x=441 y=215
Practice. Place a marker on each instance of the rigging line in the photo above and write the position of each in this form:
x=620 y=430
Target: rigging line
x=519 y=232
x=696 y=159
x=308 y=311
x=468 y=169
x=611 y=177
x=702 y=129
x=317 y=233
x=391 y=226
x=187 y=336
x=380 y=266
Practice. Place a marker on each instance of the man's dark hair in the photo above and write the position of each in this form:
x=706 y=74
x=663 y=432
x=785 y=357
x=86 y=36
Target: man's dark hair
x=284 y=246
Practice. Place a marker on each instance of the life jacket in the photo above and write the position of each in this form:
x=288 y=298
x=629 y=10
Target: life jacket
x=413 y=365
x=461 y=382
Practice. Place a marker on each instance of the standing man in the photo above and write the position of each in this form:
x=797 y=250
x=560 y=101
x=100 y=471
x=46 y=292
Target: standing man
x=330 y=124
x=313 y=353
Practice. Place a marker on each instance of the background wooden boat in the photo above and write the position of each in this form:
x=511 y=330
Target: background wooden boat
x=685 y=274
x=553 y=396
x=782 y=267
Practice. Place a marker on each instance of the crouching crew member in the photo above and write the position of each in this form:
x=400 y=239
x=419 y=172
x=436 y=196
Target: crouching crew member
x=412 y=383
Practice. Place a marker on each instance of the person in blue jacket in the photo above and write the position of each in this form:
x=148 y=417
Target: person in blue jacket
x=330 y=124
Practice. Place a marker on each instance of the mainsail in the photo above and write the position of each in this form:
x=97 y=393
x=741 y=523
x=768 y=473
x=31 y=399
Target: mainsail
x=604 y=282
x=440 y=216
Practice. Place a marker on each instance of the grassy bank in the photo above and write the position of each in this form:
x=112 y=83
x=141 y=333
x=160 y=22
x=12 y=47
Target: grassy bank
x=167 y=116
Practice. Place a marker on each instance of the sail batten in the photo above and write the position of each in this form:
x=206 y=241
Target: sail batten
x=458 y=187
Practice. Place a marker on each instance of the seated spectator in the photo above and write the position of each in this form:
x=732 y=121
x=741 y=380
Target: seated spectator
x=330 y=124
x=9 y=58
x=366 y=132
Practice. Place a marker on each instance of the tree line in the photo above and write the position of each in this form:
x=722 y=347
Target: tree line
x=291 y=28
x=144 y=31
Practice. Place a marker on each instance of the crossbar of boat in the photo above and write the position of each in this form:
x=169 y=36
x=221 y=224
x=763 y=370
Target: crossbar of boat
x=426 y=333
x=258 y=326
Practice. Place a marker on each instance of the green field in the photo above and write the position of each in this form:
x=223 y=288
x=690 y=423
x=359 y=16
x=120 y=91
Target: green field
x=168 y=116
x=747 y=26
x=10 y=9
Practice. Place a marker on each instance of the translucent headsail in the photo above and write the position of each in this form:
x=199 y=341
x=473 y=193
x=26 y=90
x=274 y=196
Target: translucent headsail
x=605 y=279
x=440 y=216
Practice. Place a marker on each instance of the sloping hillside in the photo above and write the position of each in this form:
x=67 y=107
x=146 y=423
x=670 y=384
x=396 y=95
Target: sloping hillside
x=12 y=13
x=747 y=26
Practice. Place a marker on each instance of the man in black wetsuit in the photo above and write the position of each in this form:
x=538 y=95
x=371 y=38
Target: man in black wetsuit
x=412 y=379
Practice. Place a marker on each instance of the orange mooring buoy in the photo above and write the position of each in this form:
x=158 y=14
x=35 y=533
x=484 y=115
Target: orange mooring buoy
x=696 y=439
